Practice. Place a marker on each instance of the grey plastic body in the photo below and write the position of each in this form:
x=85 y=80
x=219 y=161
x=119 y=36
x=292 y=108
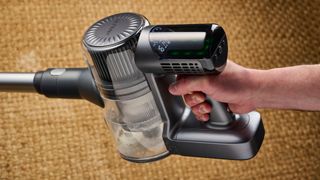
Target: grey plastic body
x=225 y=135
x=206 y=53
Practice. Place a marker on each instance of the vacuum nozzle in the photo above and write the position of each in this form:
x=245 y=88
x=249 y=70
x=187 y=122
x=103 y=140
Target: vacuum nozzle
x=70 y=83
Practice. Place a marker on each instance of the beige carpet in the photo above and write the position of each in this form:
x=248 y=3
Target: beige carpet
x=44 y=138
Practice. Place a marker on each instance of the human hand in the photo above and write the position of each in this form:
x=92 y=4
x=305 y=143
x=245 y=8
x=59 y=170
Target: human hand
x=235 y=86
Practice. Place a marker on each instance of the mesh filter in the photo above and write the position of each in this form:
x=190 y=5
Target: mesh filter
x=117 y=65
x=121 y=63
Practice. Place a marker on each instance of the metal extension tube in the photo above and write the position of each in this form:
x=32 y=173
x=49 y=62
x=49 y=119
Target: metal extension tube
x=17 y=82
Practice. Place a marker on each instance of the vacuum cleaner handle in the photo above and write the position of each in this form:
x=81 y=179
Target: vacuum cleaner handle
x=220 y=114
x=197 y=49
x=68 y=83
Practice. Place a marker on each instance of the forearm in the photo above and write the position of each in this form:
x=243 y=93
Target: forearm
x=296 y=87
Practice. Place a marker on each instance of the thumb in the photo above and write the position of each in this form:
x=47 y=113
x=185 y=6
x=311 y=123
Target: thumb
x=187 y=84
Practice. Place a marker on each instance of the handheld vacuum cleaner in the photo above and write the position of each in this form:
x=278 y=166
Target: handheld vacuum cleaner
x=131 y=65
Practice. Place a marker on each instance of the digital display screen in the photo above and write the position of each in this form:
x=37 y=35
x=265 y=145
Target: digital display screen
x=181 y=41
x=192 y=53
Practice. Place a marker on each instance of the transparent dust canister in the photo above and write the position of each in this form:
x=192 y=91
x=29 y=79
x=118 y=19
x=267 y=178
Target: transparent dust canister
x=130 y=110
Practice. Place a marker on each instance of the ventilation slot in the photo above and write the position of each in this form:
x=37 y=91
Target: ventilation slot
x=181 y=68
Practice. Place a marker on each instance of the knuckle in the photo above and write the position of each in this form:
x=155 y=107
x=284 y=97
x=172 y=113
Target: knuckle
x=180 y=85
x=188 y=100
x=238 y=109
x=205 y=83
x=202 y=97
x=183 y=82
x=197 y=98
x=207 y=107
x=195 y=110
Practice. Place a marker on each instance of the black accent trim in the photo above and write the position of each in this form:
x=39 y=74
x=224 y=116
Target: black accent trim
x=70 y=83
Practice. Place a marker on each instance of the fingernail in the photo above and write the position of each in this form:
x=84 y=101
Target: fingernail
x=204 y=118
x=203 y=109
x=172 y=88
x=196 y=99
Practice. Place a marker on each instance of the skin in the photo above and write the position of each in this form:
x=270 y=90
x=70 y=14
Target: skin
x=245 y=89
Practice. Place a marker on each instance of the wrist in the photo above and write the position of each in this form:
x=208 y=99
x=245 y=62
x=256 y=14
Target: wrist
x=257 y=85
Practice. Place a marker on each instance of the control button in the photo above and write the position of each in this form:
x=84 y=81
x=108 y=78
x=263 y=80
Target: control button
x=222 y=43
x=215 y=57
x=219 y=50
x=57 y=72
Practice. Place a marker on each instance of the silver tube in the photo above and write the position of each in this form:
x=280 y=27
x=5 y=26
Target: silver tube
x=16 y=82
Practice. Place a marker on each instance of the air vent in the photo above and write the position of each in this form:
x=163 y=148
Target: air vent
x=181 y=68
